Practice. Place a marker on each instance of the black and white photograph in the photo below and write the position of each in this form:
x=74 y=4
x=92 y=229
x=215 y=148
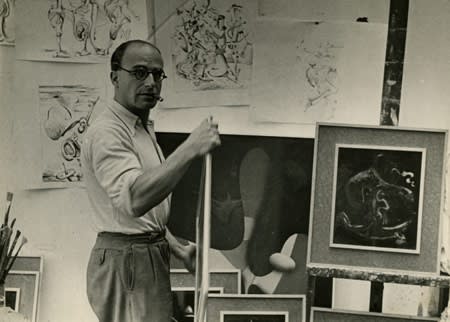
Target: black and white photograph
x=254 y=316
x=224 y=160
x=378 y=198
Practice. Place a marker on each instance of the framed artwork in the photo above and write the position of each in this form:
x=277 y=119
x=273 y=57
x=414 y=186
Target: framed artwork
x=377 y=196
x=12 y=298
x=27 y=282
x=261 y=189
x=22 y=286
x=220 y=281
x=256 y=307
x=184 y=302
x=326 y=314
x=253 y=316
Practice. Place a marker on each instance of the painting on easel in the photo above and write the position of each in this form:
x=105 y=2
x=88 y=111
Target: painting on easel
x=377 y=198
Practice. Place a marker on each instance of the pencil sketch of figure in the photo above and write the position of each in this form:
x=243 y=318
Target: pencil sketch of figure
x=212 y=47
x=87 y=18
x=5 y=15
x=321 y=73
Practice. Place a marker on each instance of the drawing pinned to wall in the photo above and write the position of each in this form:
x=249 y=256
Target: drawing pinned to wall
x=78 y=30
x=7 y=22
x=210 y=49
x=328 y=10
x=312 y=78
x=66 y=112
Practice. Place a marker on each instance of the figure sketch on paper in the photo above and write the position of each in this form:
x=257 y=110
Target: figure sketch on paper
x=6 y=34
x=96 y=25
x=65 y=115
x=379 y=202
x=321 y=74
x=212 y=49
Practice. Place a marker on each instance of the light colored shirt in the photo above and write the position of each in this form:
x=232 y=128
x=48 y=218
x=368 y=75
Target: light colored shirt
x=116 y=151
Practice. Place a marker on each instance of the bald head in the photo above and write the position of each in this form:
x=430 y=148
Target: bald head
x=117 y=56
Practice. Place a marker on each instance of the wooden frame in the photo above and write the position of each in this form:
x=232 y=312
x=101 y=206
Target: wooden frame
x=239 y=316
x=326 y=314
x=228 y=280
x=430 y=144
x=292 y=306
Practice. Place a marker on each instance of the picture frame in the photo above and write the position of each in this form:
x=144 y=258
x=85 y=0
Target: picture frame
x=12 y=298
x=320 y=314
x=24 y=282
x=184 y=301
x=226 y=281
x=286 y=308
x=254 y=316
x=371 y=183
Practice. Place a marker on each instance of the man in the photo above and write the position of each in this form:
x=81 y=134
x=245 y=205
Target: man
x=129 y=184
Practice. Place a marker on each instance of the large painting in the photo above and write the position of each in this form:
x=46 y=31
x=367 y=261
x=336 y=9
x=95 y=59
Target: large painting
x=260 y=207
x=378 y=197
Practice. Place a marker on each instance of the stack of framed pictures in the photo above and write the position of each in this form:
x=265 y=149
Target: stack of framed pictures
x=227 y=281
x=377 y=197
x=256 y=307
x=22 y=286
x=325 y=314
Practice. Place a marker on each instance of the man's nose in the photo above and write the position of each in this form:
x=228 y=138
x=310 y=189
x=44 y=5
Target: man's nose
x=150 y=81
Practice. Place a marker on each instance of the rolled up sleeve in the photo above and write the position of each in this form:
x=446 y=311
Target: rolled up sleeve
x=116 y=166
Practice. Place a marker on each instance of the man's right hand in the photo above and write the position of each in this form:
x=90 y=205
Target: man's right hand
x=204 y=138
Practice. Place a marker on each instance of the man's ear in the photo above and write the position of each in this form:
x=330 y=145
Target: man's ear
x=113 y=76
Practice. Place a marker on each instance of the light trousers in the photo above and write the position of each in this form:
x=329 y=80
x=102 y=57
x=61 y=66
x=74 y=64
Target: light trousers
x=128 y=278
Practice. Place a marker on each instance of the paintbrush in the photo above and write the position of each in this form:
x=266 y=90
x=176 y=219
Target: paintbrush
x=9 y=252
x=4 y=243
x=9 y=197
x=11 y=263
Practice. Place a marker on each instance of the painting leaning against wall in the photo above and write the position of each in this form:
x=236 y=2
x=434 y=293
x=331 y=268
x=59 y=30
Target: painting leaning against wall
x=260 y=207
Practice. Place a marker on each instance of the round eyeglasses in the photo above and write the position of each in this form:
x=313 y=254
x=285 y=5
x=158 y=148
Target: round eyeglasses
x=141 y=73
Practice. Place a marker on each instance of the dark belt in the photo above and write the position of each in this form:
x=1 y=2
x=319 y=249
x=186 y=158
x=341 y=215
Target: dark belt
x=119 y=240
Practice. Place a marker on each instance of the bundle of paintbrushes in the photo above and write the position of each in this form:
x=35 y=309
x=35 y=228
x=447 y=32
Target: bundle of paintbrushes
x=9 y=246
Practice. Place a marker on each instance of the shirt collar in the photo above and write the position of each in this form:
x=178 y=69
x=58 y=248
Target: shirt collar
x=131 y=120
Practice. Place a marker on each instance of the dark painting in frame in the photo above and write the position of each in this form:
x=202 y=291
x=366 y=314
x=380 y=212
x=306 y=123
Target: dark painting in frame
x=427 y=145
x=377 y=197
x=261 y=180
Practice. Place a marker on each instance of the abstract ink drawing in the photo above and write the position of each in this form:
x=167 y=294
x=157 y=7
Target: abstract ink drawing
x=377 y=199
x=212 y=47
